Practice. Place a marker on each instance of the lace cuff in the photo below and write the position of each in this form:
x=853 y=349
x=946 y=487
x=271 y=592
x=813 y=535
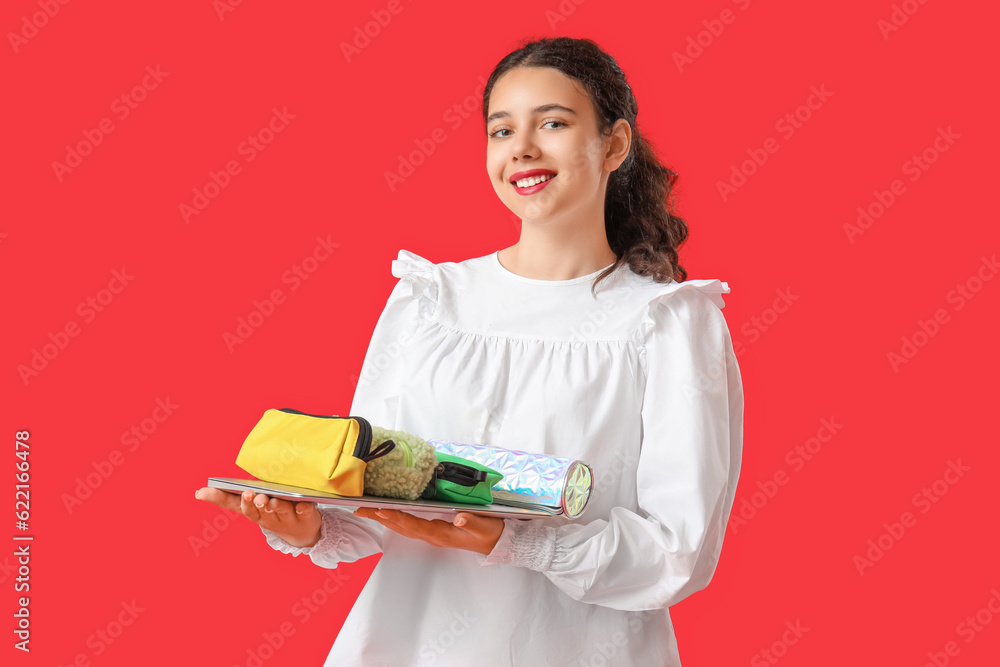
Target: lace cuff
x=529 y=544
x=331 y=538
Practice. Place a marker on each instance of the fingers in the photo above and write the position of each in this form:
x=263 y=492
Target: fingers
x=251 y=504
x=277 y=515
x=272 y=513
x=304 y=508
x=472 y=523
x=299 y=524
x=432 y=531
x=412 y=522
x=484 y=532
x=249 y=507
x=472 y=532
x=403 y=520
x=229 y=501
x=282 y=510
x=248 y=504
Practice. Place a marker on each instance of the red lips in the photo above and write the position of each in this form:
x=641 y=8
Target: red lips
x=531 y=172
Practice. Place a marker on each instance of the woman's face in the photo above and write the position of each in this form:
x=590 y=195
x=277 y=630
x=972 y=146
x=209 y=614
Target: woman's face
x=540 y=120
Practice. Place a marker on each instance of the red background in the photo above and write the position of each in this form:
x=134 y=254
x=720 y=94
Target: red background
x=825 y=357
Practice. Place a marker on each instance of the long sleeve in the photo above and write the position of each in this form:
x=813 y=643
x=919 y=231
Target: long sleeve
x=688 y=468
x=345 y=537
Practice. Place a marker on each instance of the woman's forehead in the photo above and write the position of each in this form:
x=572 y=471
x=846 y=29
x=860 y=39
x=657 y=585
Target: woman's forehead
x=527 y=87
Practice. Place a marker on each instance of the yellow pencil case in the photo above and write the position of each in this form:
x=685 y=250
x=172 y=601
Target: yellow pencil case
x=321 y=452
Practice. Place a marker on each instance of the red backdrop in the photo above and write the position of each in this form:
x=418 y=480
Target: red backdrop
x=171 y=168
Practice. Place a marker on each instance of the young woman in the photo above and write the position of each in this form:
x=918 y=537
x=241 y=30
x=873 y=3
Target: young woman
x=583 y=340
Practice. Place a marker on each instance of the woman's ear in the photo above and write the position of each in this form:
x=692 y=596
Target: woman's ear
x=619 y=145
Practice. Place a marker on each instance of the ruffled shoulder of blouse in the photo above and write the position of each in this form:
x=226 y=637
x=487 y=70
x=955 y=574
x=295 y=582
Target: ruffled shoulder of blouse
x=421 y=275
x=661 y=293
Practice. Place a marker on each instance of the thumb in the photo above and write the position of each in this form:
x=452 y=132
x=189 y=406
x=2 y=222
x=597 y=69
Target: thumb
x=468 y=521
x=302 y=507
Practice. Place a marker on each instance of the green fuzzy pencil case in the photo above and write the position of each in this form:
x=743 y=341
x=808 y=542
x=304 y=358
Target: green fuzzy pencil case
x=405 y=471
x=412 y=469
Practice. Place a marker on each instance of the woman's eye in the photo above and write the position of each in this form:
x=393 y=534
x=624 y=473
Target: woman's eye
x=496 y=133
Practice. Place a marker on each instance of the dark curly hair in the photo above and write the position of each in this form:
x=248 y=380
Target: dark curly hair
x=641 y=227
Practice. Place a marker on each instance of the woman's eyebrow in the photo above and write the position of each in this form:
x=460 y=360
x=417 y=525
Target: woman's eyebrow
x=545 y=108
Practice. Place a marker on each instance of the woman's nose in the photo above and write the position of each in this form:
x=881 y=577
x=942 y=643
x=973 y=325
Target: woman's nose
x=524 y=146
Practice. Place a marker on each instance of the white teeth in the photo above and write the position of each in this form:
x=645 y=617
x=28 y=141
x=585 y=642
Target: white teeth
x=533 y=180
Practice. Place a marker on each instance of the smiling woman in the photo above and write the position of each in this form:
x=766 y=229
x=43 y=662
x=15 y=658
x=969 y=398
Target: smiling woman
x=572 y=114
x=549 y=164
x=517 y=349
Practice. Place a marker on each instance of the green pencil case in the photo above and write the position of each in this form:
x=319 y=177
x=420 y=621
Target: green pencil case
x=460 y=480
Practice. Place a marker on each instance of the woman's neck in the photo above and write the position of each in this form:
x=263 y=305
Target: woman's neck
x=549 y=254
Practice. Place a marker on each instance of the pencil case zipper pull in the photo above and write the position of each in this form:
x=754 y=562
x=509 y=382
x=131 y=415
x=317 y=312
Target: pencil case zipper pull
x=380 y=451
x=459 y=474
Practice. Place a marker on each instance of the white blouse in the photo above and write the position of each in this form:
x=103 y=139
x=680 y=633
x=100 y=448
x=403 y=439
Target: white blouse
x=641 y=383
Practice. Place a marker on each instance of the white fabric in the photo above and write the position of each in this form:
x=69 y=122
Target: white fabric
x=641 y=383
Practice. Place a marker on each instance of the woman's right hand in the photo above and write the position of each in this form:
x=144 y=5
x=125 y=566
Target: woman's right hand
x=298 y=524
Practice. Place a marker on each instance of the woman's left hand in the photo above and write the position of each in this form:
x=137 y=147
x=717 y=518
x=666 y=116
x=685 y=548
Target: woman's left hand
x=472 y=532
